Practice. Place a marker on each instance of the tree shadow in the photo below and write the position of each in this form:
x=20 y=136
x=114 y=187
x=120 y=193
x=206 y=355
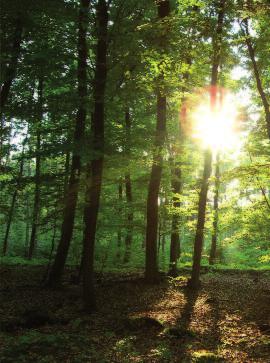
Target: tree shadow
x=196 y=330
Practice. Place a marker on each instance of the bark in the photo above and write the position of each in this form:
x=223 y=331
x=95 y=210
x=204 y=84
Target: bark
x=252 y=55
x=213 y=250
x=198 y=243
x=128 y=239
x=175 y=237
x=67 y=167
x=151 y=260
x=162 y=217
x=159 y=231
x=163 y=242
x=95 y=168
x=5 y=135
x=2 y=128
x=119 y=232
x=12 y=207
x=27 y=216
x=51 y=253
x=128 y=187
x=36 y=207
x=71 y=197
x=176 y=185
x=11 y=70
x=265 y=197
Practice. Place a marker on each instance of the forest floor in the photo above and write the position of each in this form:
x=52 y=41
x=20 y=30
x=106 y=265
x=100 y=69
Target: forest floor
x=227 y=320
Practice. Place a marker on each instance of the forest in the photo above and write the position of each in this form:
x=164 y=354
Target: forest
x=135 y=181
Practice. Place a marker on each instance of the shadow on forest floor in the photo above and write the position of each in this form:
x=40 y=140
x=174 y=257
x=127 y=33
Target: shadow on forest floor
x=227 y=320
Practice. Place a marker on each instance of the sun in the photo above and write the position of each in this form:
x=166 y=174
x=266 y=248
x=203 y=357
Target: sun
x=216 y=127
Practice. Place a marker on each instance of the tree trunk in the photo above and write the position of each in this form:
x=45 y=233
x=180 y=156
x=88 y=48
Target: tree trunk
x=67 y=167
x=27 y=216
x=175 y=238
x=176 y=184
x=36 y=208
x=2 y=138
x=95 y=168
x=45 y=276
x=251 y=51
x=128 y=186
x=198 y=243
x=10 y=216
x=14 y=197
x=71 y=197
x=11 y=70
x=213 y=250
x=159 y=233
x=119 y=232
x=5 y=136
x=151 y=260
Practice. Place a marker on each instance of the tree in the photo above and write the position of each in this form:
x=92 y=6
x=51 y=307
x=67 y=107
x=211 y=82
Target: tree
x=128 y=188
x=213 y=250
x=13 y=202
x=74 y=179
x=266 y=105
x=151 y=263
x=198 y=243
x=95 y=167
x=175 y=237
x=10 y=71
x=36 y=207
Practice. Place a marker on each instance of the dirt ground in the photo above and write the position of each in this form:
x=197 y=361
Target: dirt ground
x=227 y=320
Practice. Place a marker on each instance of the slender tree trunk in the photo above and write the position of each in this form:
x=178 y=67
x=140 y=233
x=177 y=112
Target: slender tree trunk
x=4 y=121
x=213 y=250
x=176 y=184
x=95 y=168
x=119 y=232
x=128 y=186
x=70 y=202
x=67 y=167
x=2 y=138
x=51 y=253
x=11 y=70
x=10 y=216
x=163 y=242
x=53 y=240
x=175 y=237
x=264 y=193
x=11 y=211
x=27 y=217
x=159 y=234
x=252 y=55
x=36 y=207
x=198 y=243
x=151 y=260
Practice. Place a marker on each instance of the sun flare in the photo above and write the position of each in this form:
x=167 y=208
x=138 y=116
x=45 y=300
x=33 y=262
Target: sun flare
x=216 y=128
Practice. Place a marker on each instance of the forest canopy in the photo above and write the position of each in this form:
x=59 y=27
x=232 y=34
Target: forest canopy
x=135 y=136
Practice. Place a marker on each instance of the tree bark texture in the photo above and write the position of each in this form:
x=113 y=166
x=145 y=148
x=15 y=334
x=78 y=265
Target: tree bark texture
x=119 y=231
x=12 y=207
x=36 y=207
x=213 y=250
x=11 y=69
x=151 y=257
x=128 y=188
x=95 y=168
x=199 y=236
x=71 y=197
x=252 y=55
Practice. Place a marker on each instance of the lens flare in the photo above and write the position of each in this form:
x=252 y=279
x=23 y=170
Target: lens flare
x=216 y=127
